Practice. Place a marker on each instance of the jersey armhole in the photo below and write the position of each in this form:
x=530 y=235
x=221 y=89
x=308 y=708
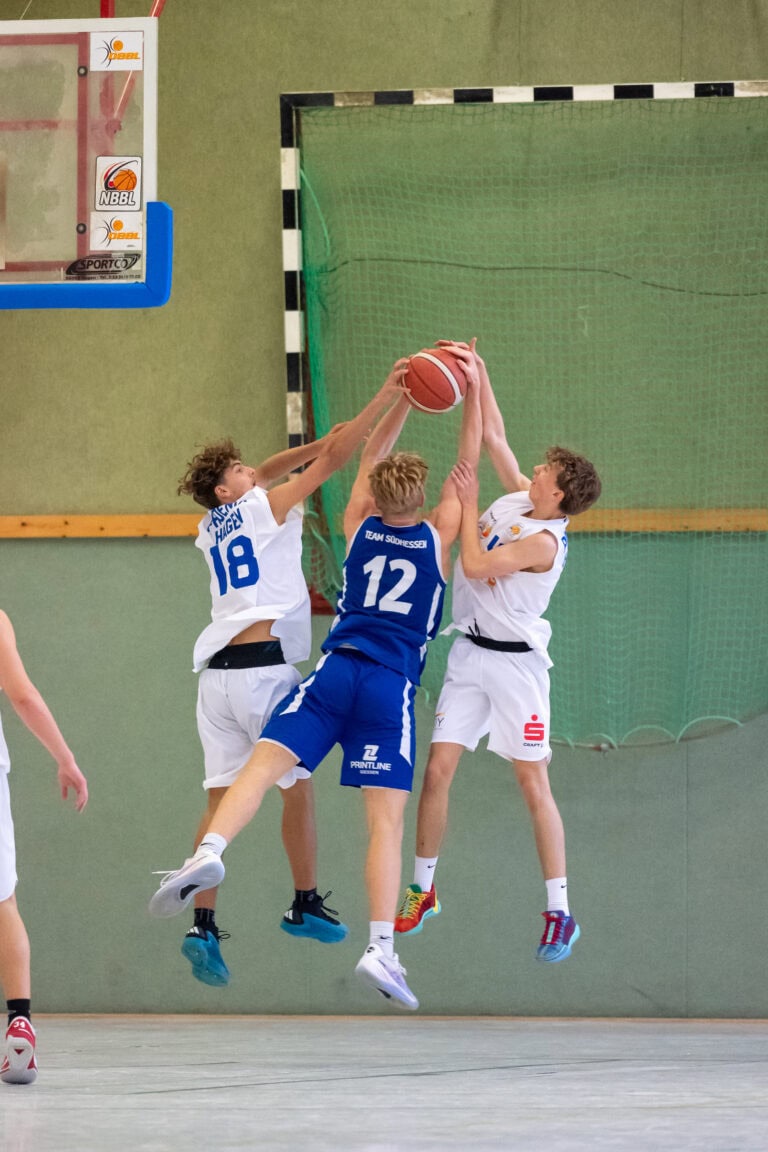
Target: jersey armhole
x=438 y=549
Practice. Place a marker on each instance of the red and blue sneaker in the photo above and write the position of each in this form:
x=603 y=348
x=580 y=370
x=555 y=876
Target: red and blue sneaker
x=560 y=934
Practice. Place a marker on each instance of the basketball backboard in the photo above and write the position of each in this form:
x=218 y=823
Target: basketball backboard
x=80 y=223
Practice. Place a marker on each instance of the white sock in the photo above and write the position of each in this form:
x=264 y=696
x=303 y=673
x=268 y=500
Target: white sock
x=383 y=934
x=424 y=872
x=557 y=895
x=213 y=842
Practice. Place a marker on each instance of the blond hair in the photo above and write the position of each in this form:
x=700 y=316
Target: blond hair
x=397 y=482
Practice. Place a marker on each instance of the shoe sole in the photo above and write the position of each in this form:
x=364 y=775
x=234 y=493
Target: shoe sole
x=390 y=993
x=414 y=931
x=566 y=951
x=196 y=952
x=314 y=928
x=18 y=1070
x=174 y=896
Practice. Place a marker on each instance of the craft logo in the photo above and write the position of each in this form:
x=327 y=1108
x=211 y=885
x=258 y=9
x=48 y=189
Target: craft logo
x=533 y=732
x=99 y=267
x=123 y=52
x=116 y=233
x=118 y=182
x=371 y=752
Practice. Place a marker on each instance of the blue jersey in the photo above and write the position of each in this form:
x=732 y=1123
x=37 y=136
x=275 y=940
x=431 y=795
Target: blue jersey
x=392 y=598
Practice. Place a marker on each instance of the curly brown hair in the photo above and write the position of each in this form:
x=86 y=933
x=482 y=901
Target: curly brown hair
x=205 y=470
x=397 y=482
x=577 y=478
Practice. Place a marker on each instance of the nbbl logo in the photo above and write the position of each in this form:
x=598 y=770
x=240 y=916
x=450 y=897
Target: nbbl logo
x=118 y=182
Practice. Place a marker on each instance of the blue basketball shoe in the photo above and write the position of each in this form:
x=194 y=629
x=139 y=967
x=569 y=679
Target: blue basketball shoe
x=309 y=917
x=560 y=934
x=201 y=948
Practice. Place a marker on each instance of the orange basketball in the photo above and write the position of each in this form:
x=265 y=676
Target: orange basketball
x=123 y=180
x=435 y=380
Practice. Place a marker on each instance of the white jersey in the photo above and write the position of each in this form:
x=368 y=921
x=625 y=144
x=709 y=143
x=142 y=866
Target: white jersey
x=5 y=759
x=510 y=607
x=256 y=574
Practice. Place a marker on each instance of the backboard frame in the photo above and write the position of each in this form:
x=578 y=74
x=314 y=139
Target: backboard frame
x=95 y=278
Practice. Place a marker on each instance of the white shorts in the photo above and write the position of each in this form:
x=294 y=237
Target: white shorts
x=233 y=705
x=504 y=695
x=8 y=875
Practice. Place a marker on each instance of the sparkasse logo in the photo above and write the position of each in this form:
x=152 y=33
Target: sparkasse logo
x=533 y=731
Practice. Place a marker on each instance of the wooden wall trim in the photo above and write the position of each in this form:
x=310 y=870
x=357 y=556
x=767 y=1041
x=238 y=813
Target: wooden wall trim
x=185 y=524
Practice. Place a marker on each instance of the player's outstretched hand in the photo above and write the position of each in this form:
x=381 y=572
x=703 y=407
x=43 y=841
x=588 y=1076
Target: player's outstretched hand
x=465 y=353
x=395 y=381
x=70 y=776
x=464 y=477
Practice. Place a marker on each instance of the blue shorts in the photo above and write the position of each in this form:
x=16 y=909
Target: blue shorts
x=352 y=701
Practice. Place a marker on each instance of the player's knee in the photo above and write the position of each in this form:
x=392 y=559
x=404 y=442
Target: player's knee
x=533 y=780
x=441 y=767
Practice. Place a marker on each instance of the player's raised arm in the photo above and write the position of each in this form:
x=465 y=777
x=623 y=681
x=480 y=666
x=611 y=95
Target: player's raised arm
x=494 y=433
x=534 y=553
x=35 y=714
x=283 y=463
x=495 y=436
x=447 y=516
x=337 y=448
x=379 y=444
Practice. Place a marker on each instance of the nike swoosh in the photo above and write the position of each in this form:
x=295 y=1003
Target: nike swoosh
x=186 y=890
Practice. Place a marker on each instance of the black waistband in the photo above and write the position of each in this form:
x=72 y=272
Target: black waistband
x=498 y=645
x=260 y=654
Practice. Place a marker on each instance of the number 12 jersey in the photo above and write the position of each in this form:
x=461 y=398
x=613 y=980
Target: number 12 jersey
x=392 y=598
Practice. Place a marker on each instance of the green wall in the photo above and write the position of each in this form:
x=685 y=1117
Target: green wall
x=663 y=843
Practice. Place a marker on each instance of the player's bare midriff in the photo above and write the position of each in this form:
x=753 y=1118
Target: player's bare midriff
x=254 y=633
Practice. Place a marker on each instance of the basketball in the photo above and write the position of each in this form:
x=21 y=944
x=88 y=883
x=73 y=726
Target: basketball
x=123 y=180
x=435 y=380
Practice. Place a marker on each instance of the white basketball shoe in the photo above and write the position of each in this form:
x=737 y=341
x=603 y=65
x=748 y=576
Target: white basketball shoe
x=202 y=871
x=386 y=975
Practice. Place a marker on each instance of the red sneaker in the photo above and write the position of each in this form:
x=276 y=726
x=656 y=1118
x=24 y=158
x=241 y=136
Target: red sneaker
x=560 y=935
x=19 y=1065
x=417 y=906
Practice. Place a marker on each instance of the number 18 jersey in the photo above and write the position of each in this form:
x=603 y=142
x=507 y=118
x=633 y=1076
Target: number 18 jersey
x=392 y=598
x=256 y=574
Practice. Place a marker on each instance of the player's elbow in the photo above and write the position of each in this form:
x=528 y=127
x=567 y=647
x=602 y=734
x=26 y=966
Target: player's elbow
x=335 y=454
x=475 y=568
x=494 y=437
x=25 y=700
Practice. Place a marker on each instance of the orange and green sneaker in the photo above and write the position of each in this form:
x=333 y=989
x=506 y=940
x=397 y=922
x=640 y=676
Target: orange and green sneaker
x=417 y=906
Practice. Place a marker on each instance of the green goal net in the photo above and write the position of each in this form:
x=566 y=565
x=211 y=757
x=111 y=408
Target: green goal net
x=611 y=259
